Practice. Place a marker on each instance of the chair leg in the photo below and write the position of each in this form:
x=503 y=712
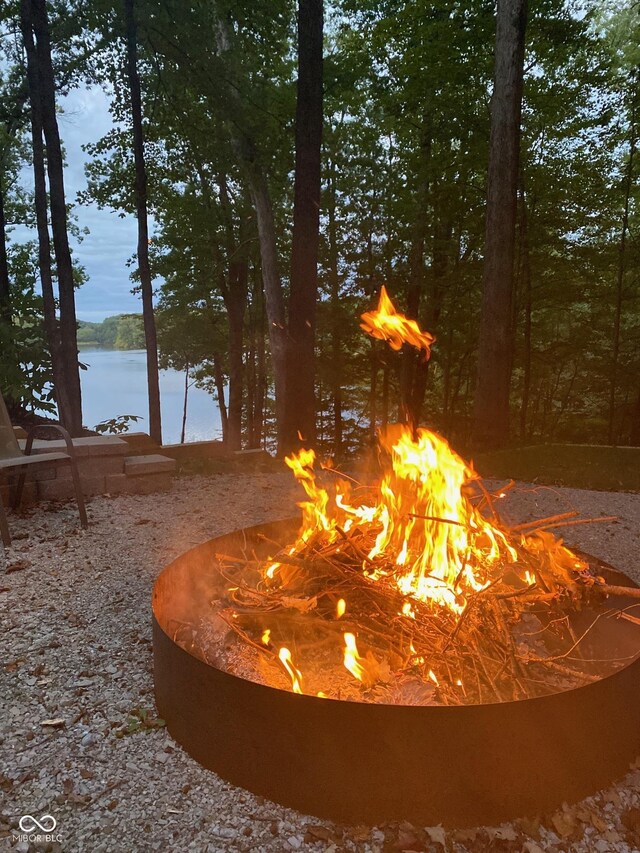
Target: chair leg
x=77 y=484
x=17 y=498
x=4 y=527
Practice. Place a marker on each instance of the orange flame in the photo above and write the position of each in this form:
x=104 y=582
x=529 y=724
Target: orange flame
x=426 y=535
x=387 y=325
x=296 y=676
x=352 y=660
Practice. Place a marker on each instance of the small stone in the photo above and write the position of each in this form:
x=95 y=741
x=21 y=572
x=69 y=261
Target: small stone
x=294 y=842
x=89 y=739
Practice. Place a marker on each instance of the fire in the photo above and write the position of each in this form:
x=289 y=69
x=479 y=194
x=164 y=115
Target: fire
x=296 y=676
x=426 y=535
x=352 y=660
x=417 y=548
x=387 y=325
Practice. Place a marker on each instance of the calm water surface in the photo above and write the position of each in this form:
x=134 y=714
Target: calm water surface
x=116 y=384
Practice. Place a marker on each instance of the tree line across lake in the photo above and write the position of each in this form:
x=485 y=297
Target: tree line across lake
x=480 y=161
x=123 y=331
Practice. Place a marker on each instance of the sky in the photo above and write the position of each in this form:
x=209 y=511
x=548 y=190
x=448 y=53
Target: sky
x=84 y=118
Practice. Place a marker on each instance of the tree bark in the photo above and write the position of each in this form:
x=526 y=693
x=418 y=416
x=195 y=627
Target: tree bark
x=184 y=403
x=622 y=245
x=146 y=289
x=334 y=285
x=525 y=262
x=5 y=290
x=236 y=303
x=246 y=153
x=218 y=378
x=51 y=328
x=234 y=293
x=491 y=407
x=58 y=209
x=300 y=404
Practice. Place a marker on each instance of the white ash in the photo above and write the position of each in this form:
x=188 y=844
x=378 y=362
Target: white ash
x=77 y=647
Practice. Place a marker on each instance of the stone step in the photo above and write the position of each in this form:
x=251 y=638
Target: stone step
x=151 y=463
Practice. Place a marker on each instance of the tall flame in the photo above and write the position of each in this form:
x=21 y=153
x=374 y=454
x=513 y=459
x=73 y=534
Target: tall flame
x=387 y=325
x=426 y=536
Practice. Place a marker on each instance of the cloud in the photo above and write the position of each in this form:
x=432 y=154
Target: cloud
x=104 y=252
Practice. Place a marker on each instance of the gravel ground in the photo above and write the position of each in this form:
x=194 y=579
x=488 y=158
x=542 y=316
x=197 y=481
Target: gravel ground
x=77 y=652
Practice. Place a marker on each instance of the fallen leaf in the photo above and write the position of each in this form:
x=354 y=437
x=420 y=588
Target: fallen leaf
x=596 y=821
x=18 y=566
x=531 y=847
x=564 y=823
x=502 y=833
x=56 y=723
x=360 y=833
x=409 y=841
x=319 y=832
x=437 y=835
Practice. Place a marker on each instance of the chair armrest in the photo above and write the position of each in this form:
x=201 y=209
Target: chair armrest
x=57 y=428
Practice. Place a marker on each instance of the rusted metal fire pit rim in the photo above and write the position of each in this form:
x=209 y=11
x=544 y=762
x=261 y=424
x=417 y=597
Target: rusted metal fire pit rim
x=611 y=574
x=367 y=762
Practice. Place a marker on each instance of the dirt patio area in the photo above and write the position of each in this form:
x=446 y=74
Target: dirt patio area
x=78 y=733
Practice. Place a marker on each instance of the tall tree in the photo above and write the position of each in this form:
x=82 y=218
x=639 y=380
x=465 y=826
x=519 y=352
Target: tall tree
x=495 y=355
x=144 y=269
x=300 y=406
x=62 y=335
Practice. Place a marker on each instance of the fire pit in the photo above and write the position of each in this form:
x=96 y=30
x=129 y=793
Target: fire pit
x=359 y=762
x=403 y=653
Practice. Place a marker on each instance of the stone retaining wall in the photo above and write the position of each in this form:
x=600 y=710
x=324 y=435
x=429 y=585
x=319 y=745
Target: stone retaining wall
x=104 y=467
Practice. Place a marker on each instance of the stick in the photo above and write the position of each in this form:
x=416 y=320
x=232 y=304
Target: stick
x=612 y=589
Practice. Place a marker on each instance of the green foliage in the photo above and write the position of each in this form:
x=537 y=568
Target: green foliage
x=122 y=331
x=25 y=361
x=117 y=425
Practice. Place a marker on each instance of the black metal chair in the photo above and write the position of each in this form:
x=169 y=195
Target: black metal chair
x=11 y=456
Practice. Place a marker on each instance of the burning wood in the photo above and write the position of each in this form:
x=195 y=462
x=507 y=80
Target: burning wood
x=412 y=588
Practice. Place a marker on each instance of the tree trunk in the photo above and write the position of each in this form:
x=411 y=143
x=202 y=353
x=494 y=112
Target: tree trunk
x=5 y=290
x=495 y=354
x=336 y=342
x=525 y=262
x=184 y=405
x=300 y=404
x=52 y=331
x=236 y=303
x=615 y=355
x=144 y=270
x=246 y=153
x=58 y=208
x=634 y=435
x=218 y=378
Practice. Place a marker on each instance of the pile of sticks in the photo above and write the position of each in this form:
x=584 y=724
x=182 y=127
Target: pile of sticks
x=512 y=640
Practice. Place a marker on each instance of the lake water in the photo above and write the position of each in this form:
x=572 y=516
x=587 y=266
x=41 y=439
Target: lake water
x=116 y=384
